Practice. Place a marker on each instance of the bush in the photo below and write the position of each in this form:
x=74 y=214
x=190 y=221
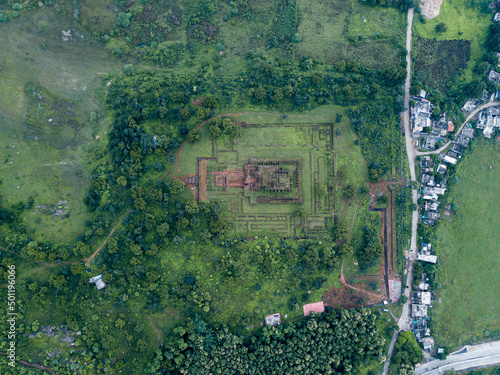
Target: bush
x=123 y=19
x=440 y=27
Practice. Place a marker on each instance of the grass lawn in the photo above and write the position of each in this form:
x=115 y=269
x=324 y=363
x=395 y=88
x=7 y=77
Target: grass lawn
x=467 y=250
x=463 y=21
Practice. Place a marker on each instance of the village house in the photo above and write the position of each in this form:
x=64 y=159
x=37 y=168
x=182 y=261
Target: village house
x=470 y=105
x=462 y=141
x=418 y=311
x=455 y=147
x=425 y=254
x=426 y=162
x=420 y=114
x=423 y=286
x=467 y=132
x=430 y=217
x=430 y=144
x=451 y=127
x=440 y=127
x=441 y=168
x=494 y=76
x=427 y=179
x=431 y=206
x=97 y=280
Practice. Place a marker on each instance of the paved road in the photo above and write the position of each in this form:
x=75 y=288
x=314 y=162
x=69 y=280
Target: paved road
x=474 y=356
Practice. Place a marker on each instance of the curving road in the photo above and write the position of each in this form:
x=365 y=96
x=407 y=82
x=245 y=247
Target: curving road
x=468 y=358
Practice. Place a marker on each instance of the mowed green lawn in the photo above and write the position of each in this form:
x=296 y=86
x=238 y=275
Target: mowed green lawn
x=468 y=252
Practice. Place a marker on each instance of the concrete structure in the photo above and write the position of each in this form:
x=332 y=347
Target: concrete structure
x=273 y=320
x=418 y=311
x=428 y=343
x=427 y=258
x=394 y=290
x=317 y=308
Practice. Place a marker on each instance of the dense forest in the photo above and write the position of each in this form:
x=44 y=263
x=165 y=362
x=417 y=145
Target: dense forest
x=331 y=343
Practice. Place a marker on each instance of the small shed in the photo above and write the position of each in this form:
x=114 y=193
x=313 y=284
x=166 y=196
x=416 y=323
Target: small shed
x=316 y=308
x=97 y=280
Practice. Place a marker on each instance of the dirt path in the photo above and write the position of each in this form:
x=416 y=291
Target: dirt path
x=33 y=365
x=344 y=283
x=90 y=258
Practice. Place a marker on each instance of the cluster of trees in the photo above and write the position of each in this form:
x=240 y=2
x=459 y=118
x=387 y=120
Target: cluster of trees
x=372 y=249
x=223 y=125
x=334 y=342
x=407 y=353
x=402 y=5
x=378 y=127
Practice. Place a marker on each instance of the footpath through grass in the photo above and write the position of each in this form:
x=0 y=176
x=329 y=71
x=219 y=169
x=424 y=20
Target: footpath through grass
x=467 y=249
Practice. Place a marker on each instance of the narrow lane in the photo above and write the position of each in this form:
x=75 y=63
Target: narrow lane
x=403 y=322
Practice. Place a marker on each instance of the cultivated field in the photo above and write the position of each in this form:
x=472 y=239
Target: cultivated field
x=467 y=249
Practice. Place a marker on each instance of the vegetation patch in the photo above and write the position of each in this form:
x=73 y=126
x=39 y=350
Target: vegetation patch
x=437 y=63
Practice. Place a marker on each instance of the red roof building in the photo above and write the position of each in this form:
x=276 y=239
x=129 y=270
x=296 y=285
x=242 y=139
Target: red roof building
x=317 y=308
x=451 y=127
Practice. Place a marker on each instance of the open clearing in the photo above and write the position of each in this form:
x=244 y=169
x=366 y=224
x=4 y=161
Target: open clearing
x=311 y=138
x=467 y=249
x=49 y=88
x=346 y=30
x=463 y=22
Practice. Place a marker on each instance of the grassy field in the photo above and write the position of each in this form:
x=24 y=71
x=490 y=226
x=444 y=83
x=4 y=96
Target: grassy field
x=467 y=249
x=463 y=21
x=346 y=30
x=46 y=137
